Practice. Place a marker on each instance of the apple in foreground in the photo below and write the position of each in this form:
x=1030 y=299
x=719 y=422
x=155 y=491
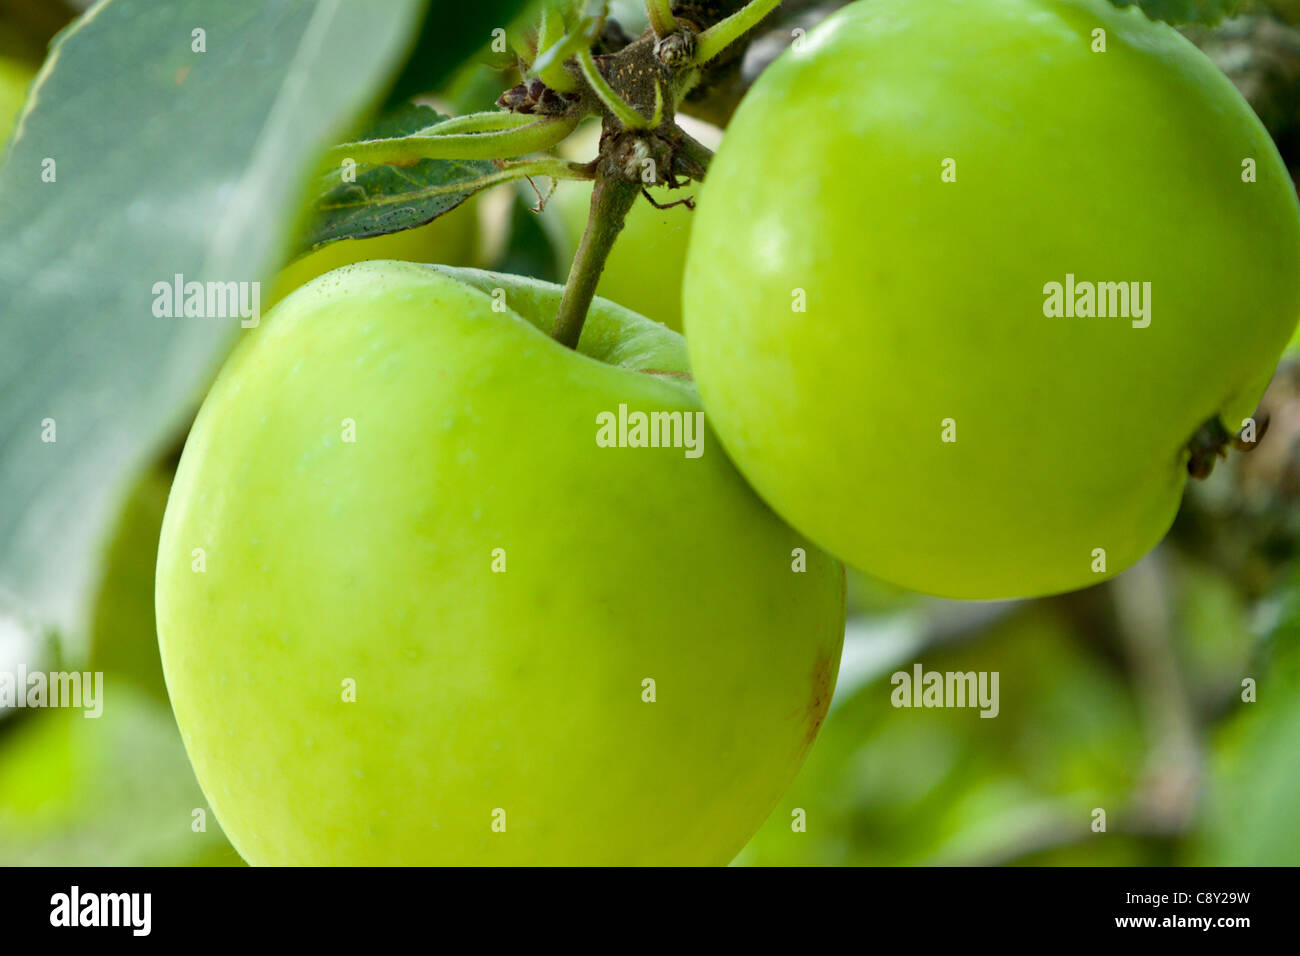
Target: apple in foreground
x=886 y=340
x=412 y=612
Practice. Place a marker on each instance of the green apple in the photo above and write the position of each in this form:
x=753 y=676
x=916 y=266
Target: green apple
x=644 y=269
x=450 y=239
x=124 y=636
x=871 y=289
x=411 y=611
x=15 y=77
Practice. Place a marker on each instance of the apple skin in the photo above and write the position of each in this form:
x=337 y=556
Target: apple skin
x=477 y=691
x=925 y=298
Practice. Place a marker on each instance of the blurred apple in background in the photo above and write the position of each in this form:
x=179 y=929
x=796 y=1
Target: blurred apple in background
x=449 y=240
x=124 y=639
x=644 y=271
x=15 y=76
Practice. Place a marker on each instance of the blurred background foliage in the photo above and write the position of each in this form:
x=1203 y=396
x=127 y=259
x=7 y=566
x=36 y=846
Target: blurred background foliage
x=1125 y=699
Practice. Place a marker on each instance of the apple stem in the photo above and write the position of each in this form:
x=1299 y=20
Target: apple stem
x=611 y=199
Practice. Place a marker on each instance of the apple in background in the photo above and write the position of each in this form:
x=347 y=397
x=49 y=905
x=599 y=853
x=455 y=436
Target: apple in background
x=411 y=612
x=123 y=635
x=884 y=362
x=644 y=270
x=15 y=77
x=450 y=239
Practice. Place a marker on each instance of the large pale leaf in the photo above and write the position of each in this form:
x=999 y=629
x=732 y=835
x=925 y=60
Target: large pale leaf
x=167 y=161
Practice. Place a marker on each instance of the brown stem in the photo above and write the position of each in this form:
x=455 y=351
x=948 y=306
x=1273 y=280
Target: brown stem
x=611 y=199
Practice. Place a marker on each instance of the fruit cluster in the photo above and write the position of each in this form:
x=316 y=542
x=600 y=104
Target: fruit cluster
x=412 y=609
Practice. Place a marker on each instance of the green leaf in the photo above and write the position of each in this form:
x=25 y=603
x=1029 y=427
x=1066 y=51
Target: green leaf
x=167 y=161
x=1251 y=814
x=386 y=199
